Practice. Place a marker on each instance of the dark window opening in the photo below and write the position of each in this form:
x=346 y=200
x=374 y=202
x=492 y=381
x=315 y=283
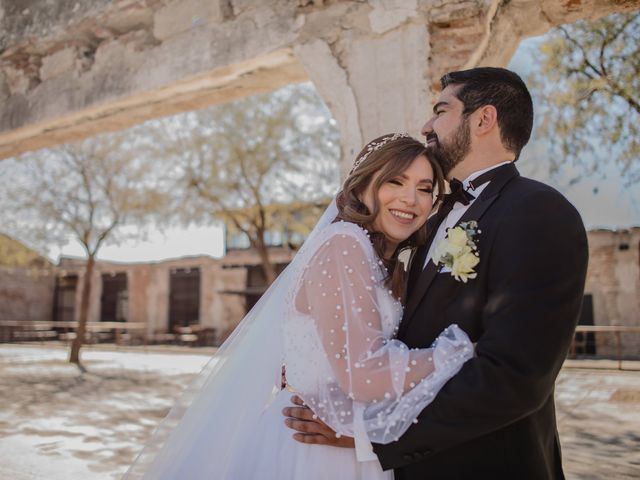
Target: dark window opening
x=114 y=303
x=257 y=282
x=585 y=342
x=64 y=300
x=184 y=297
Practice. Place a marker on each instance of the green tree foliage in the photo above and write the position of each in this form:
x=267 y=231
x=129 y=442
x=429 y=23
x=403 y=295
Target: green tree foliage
x=87 y=191
x=236 y=162
x=589 y=85
x=15 y=254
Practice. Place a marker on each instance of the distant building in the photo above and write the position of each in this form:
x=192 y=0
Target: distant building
x=191 y=291
x=612 y=292
x=217 y=293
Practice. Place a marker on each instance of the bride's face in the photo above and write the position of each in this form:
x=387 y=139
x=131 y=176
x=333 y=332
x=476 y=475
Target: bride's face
x=405 y=202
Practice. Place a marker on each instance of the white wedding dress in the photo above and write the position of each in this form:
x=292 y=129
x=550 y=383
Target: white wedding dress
x=333 y=329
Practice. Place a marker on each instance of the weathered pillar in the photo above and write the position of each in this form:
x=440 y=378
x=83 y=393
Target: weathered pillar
x=158 y=300
x=374 y=82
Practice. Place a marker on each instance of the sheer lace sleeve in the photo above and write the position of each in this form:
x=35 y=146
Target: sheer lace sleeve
x=342 y=291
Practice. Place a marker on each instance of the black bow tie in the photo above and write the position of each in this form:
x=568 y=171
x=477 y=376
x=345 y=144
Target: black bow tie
x=457 y=194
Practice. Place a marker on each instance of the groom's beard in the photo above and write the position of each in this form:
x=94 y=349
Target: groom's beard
x=450 y=153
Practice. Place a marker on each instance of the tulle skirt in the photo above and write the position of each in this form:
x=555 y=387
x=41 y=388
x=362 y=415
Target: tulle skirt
x=272 y=454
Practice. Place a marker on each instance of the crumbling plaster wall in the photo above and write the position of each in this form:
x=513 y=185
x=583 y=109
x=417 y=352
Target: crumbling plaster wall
x=613 y=279
x=26 y=294
x=70 y=68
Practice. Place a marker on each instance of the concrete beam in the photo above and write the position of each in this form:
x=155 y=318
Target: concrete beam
x=74 y=69
x=70 y=69
x=258 y=75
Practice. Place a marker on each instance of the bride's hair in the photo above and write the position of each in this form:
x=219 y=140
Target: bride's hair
x=391 y=156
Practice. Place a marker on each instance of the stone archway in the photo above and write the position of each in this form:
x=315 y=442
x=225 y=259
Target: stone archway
x=71 y=69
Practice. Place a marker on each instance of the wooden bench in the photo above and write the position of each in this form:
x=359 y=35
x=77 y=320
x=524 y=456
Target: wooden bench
x=186 y=336
x=38 y=333
x=66 y=330
x=192 y=335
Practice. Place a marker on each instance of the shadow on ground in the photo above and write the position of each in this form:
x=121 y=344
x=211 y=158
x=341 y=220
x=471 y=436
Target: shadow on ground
x=100 y=420
x=598 y=414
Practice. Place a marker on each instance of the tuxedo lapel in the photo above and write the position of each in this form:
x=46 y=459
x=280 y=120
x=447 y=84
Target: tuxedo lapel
x=421 y=287
x=474 y=212
x=417 y=260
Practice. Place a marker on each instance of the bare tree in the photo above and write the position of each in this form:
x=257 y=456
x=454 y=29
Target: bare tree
x=87 y=191
x=589 y=87
x=235 y=162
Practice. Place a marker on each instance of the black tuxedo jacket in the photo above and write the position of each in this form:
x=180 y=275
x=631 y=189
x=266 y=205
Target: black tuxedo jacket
x=496 y=418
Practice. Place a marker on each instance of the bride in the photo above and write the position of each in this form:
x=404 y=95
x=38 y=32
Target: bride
x=325 y=330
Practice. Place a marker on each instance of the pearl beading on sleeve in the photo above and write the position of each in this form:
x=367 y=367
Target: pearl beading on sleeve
x=339 y=343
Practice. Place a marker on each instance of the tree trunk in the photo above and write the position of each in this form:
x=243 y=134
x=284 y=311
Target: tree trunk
x=268 y=268
x=74 y=355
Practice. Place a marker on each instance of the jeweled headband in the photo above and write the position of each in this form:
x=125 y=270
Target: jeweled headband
x=373 y=146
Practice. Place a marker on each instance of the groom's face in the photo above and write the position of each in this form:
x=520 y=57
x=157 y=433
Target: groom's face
x=447 y=132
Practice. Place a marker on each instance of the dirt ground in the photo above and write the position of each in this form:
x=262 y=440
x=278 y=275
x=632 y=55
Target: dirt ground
x=56 y=423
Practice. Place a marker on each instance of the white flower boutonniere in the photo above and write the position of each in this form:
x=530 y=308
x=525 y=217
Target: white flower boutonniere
x=459 y=251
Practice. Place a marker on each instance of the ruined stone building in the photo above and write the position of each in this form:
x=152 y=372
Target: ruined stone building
x=612 y=292
x=204 y=291
x=216 y=293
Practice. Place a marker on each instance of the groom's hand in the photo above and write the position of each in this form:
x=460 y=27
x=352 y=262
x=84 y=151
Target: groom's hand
x=310 y=429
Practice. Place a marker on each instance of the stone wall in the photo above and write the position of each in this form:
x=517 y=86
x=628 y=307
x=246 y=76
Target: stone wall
x=26 y=294
x=613 y=279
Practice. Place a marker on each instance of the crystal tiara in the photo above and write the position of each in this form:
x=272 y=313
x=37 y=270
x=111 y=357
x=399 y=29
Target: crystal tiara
x=373 y=146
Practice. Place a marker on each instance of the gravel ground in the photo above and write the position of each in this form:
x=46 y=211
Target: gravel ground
x=56 y=423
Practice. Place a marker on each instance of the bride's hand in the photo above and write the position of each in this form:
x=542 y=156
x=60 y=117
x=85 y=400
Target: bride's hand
x=312 y=430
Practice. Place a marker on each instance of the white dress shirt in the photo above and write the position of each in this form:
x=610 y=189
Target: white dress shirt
x=459 y=209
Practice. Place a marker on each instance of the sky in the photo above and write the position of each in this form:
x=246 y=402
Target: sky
x=602 y=202
x=160 y=245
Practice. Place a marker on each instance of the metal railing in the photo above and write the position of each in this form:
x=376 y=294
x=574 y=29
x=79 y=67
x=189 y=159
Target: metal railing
x=617 y=330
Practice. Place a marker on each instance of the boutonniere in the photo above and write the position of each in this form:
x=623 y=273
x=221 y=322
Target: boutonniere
x=458 y=251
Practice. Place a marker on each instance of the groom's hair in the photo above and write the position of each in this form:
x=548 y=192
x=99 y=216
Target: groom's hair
x=503 y=89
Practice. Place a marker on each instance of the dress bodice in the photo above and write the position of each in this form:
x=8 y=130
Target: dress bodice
x=305 y=356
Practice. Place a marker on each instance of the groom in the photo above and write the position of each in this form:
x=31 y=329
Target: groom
x=496 y=418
